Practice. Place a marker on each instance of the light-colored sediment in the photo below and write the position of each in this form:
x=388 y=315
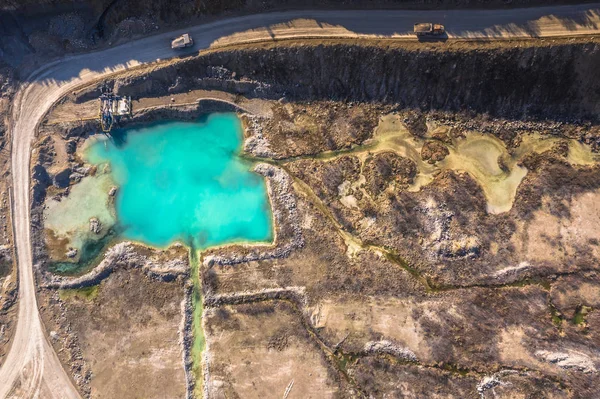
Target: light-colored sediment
x=569 y=360
x=388 y=347
x=489 y=382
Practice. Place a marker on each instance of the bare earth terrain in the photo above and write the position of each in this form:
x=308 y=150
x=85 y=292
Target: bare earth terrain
x=145 y=351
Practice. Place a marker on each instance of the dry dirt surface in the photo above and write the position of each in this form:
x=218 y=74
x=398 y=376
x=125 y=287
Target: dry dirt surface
x=262 y=350
x=30 y=29
x=8 y=271
x=126 y=329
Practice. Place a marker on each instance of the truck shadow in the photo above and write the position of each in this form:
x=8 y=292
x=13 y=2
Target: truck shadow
x=433 y=38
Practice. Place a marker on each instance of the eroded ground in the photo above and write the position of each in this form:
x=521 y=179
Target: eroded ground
x=425 y=256
x=121 y=336
x=8 y=270
x=440 y=262
x=263 y=350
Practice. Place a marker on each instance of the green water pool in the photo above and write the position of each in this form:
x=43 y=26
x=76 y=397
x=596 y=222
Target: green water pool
x=185 y=181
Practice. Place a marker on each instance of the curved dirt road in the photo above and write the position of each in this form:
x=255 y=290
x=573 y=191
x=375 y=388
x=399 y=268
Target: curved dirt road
x=32 y=368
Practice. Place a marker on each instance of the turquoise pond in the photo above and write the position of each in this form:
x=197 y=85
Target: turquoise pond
x=185 y=181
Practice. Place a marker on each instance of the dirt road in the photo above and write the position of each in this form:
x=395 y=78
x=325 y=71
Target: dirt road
x=32 y=368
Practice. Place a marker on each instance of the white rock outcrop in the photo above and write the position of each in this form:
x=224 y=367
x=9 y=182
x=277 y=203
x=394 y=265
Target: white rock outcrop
x=569 y=360
x=391 y=349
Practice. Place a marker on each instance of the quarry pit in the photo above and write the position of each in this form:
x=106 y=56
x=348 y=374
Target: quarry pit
x=432 y=234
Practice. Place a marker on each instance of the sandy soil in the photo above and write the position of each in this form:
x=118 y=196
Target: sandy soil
x=262 y=350
x=68 y=112
x=464 y=316
x=127 y=329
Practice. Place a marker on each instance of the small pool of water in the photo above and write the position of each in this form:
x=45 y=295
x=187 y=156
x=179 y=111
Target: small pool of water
x=185 y=181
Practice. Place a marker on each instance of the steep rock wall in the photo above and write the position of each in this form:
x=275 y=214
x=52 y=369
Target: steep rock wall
x=550 y=82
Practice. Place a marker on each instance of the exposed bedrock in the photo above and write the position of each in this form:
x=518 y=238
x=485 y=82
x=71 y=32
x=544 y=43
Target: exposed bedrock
x=555 y=82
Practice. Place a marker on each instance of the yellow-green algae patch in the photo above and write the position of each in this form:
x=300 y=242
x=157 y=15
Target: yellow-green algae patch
x=480 y=155
x=87 y=293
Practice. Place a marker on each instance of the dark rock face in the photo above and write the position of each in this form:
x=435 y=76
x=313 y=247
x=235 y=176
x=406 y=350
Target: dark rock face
x=62 y=179
x=41 y=175
x=41 y=181
x=71 y=146
x=416 y=123
x=39 y=193
x=550 y=82
x=542 y=82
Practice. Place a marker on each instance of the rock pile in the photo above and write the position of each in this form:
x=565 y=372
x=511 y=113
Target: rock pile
x=95 y=225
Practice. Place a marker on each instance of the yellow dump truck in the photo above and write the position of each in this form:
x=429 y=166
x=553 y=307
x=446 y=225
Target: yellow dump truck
x=182 y=41
x=429 y=29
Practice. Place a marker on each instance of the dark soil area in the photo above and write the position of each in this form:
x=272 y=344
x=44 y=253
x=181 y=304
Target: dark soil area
x=385 y=168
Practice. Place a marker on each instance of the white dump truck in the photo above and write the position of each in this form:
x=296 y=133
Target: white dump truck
x=182 y=41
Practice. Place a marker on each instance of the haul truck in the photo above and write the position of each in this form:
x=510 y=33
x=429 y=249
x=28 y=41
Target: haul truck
x=429 y=29
x=182 y=41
